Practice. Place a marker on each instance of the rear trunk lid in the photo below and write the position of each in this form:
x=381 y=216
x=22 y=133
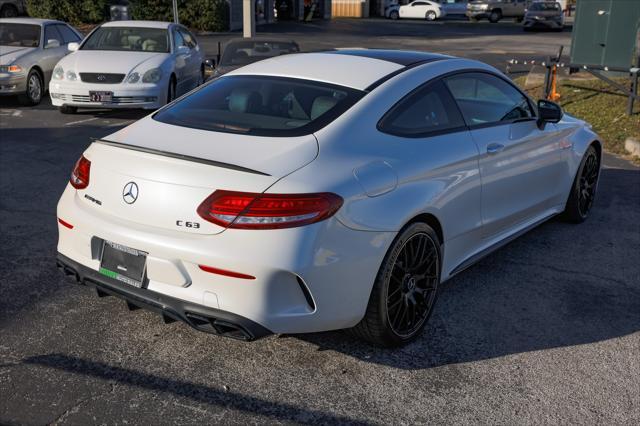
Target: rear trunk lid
x=157 y=174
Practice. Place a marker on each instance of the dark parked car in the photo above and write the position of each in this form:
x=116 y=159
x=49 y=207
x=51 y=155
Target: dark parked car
x=244 y=51
x=547 y=15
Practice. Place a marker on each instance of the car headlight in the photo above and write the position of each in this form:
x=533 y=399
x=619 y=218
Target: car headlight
x=71 y=76
x=58 y=73
x=152 y=76
x=484 y=6
x=134 y=77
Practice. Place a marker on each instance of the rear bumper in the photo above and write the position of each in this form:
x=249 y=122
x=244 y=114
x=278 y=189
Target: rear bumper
x=200 y=317
x=307 y=279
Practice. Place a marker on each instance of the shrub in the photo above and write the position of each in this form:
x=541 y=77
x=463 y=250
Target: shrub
x=74 y=11
x=206 y=15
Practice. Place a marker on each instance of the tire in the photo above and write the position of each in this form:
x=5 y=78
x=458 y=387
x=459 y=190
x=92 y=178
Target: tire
x=495 y=16
x=583 y=190
x=8 y=11
x=400 y=290
x=171 y=89
x=394 y=15
x=430 y=16
x=67 y=109
x=35 y=89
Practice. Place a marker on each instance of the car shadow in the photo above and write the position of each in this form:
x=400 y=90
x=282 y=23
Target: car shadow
x=225 y=399
x=559 y=285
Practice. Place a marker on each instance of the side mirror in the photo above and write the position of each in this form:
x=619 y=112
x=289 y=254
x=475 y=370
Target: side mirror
x=73 y=47
x=52 y=43
x=548 y=112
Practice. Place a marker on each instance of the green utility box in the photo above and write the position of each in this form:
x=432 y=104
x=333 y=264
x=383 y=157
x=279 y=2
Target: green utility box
x=605 y=34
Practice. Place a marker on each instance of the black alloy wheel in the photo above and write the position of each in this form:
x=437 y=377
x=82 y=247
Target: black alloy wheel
x=405 y=289
x=583 y=190
x=413 y=284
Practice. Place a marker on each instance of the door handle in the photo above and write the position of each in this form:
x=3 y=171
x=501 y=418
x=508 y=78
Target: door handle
x=494 y=148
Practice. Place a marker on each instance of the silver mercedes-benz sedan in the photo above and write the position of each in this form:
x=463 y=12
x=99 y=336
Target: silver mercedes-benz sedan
x=29 y=50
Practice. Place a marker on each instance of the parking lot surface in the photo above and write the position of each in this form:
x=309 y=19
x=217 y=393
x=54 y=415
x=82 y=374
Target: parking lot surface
x=546 y=330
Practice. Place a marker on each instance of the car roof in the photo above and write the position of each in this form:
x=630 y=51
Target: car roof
x=355 y=68
x=32 y=21
x=139 y=24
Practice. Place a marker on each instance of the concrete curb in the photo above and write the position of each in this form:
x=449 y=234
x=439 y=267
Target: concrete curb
x=632 y=146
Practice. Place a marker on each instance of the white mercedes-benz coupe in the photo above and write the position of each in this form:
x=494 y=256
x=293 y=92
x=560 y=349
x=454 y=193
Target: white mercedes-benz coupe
x=128 y=64
x=297 y=194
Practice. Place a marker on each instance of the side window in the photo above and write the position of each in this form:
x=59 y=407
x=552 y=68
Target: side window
x=189 y=39
x=51 y=33
x=178 y=40
x=67 y=34
x=430 y=109
x=484 y=98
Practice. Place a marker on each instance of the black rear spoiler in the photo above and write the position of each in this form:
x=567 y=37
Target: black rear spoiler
x=180 y=156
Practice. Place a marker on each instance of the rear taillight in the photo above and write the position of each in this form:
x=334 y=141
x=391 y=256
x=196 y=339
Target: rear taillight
x=80 y=175
x=246 y=210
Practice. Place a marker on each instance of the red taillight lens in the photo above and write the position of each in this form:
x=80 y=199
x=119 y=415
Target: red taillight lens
x=80 y=175
x=246 y=210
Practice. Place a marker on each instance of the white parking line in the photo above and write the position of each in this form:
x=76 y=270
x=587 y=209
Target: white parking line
x=80 y=121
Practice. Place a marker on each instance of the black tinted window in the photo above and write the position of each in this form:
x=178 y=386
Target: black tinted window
x=264 y=106
x=484 y=98
x=67 y=34
x=51 y=33
x=246 y=52
x=24 y=35
x=430 y=109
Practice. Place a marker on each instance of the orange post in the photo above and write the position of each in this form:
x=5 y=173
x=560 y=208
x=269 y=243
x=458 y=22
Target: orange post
x=554 y=95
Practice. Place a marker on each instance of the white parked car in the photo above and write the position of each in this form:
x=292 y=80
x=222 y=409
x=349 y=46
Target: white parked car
x=293 y=195
x=128 y=64
x=419 y=9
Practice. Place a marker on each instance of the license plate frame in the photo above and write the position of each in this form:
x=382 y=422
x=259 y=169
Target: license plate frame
x=124 y=264
x=100 y=96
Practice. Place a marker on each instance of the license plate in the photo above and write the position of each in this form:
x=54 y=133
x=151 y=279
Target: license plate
x=100 y=96
x=124 y=264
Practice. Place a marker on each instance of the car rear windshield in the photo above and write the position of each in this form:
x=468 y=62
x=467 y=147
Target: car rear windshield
x=544 y=6
x=128 y=39
x=20 y=35
x=238 y=53
x=260 y=105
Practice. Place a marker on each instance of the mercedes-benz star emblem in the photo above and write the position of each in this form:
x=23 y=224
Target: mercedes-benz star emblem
x=130 y=193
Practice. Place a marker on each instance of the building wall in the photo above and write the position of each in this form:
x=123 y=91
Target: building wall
x=350 y=8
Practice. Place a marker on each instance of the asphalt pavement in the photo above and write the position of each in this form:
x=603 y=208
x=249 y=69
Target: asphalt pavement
x=544 y=331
